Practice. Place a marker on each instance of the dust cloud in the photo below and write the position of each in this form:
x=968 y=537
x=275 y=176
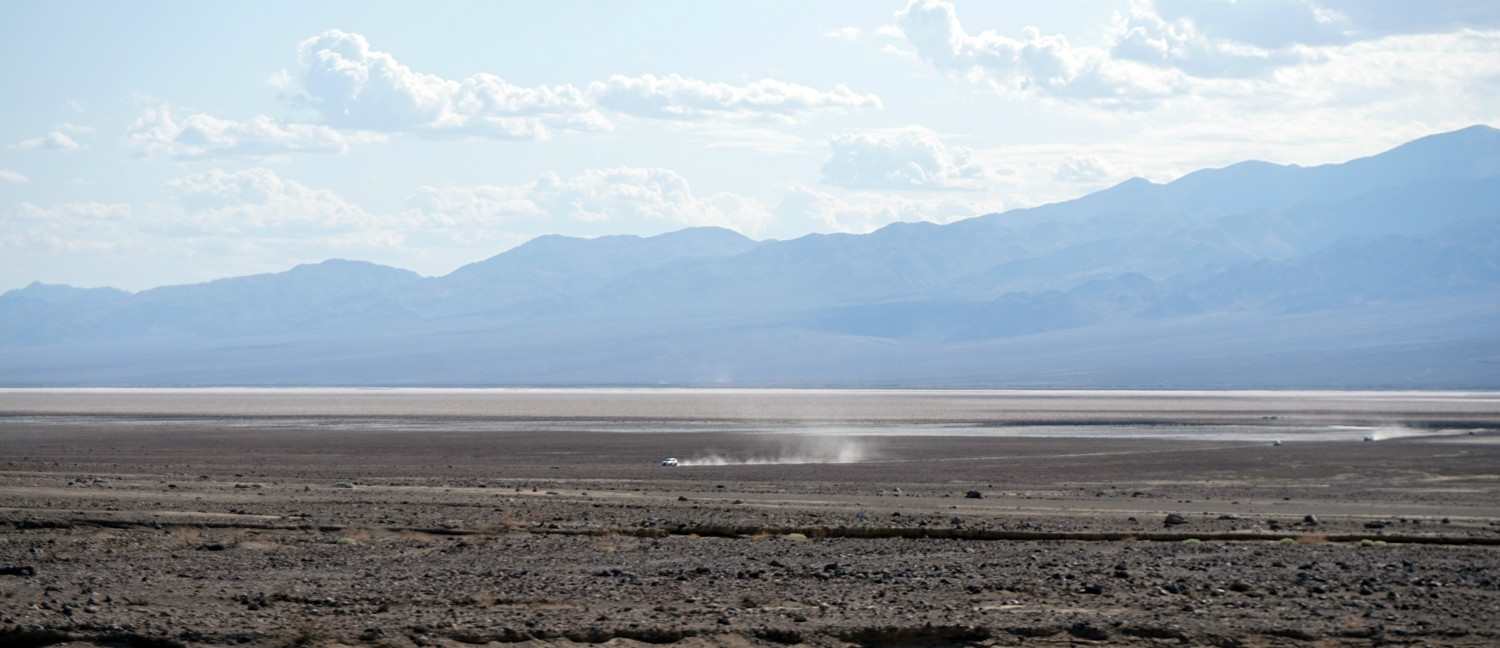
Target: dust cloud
x=810 y=449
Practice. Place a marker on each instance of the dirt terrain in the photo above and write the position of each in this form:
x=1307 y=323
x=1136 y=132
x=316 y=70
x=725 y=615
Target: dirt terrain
x=544 y=519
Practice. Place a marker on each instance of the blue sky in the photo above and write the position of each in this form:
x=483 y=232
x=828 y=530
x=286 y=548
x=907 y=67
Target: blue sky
x=153 y=143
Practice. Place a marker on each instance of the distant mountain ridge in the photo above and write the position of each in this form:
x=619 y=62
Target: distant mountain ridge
x=1403 y=246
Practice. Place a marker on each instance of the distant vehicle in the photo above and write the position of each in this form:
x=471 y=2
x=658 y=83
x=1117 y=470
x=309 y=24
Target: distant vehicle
x=669 y=461
x=1276 y=442
x=1369 y=437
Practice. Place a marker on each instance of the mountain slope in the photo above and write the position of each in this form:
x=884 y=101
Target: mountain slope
x=1375 y=266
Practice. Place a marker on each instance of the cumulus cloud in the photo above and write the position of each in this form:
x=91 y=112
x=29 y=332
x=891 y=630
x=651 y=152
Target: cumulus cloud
x=52 y=141
x=279 y=79
x=256 y=200
x=1182 y=44
x=802 y=209
x=625 y=198
x=1086 y=169
x=1277 y=24
x=677 y=97
x=1034 y=64
x=902 y=158
x=1226 y=39
x=159 y=133
x=843 y=33
x=77 y=227
x=11 y=176
x=353 y=86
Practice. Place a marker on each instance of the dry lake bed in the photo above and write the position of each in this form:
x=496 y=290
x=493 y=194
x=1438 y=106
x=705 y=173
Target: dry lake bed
x=310 y=517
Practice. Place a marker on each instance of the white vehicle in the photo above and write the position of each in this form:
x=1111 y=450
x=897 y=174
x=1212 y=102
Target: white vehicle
x=669 y=461
x=1369 y=437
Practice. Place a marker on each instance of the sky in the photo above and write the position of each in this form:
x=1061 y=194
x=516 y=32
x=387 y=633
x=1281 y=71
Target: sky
x=155 y=143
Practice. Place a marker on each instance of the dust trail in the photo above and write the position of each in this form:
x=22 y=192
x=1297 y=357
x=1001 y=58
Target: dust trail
x=802 y=450
x=1396 y=432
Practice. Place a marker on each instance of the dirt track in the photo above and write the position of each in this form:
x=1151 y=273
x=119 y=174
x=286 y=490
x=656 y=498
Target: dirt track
x=169 y=527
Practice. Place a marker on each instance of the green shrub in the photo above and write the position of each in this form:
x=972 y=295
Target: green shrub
x=1192 y=542
x=347 y=541
x=1286 y=542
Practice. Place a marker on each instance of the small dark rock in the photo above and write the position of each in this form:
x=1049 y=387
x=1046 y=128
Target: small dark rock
x=17 y=570
x=1174 y=519
x=1095 y=589
x=1239 y=586
x=1310 y=519
x=1088 y=631
x=974 y=494
x=1375 y=524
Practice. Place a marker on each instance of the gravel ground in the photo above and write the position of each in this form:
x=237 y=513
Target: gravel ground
x=152 y=531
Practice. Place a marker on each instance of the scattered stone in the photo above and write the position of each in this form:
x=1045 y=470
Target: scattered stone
x=17 y=570
x=1310 y=519
x=1375 y=524
x=1086 y=630
x=974 y=494
x=1174 y=519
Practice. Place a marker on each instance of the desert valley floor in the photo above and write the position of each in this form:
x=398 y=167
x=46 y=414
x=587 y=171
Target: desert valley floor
x=154 y=518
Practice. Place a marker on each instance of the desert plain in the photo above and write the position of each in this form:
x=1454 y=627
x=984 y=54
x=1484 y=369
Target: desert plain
x=544 y=518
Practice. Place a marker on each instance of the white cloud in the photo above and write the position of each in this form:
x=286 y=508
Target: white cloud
x=52 y=141
x=11 y=176
x=256 y=200
x=676 y=97
x=353 y=86
x=1181 y=44
x=1086 y=169
x=279 y=79
x=596 y=201
x=78 y=227
x=1034 y=64
x=843 y=33
x=1227 y=39
x=902 y=158
x=803 y=209
x=159 y=133
x=1276 y=24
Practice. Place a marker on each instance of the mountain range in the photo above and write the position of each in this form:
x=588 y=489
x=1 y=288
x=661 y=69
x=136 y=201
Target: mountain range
x=1380 y=272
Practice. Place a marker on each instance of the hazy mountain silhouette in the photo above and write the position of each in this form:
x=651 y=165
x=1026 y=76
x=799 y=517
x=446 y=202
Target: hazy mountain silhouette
x=1377 y=272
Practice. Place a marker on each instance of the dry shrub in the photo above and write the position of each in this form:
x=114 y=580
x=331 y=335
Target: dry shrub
x=1312 y=539
x=356 y=533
